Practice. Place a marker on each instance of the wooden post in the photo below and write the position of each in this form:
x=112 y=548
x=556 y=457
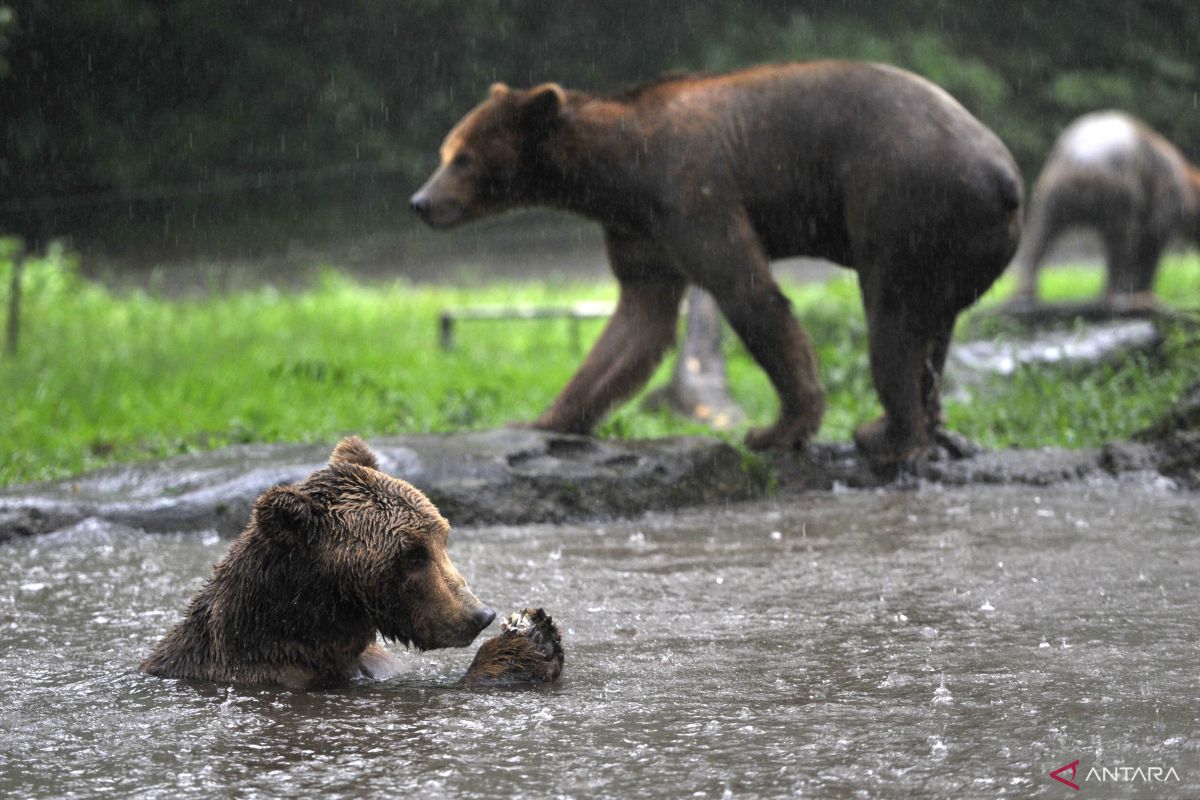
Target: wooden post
x=446 y=330
x=13 y=330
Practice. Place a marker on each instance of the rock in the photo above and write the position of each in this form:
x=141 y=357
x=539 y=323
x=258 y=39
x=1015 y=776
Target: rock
x=506 y=476
x=1175 y=438
x=518 y=476
x=1095 y=344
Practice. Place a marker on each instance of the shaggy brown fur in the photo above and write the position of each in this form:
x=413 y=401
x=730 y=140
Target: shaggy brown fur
x=1112 y=173
x=706 y=178
x=322 y=569
x=527 y=651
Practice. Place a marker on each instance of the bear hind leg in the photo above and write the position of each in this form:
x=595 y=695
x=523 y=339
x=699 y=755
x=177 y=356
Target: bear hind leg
x=904 y=356
x=1135 y=293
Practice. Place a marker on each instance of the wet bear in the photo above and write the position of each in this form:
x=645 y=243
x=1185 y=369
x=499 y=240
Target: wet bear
x=1110 y=172
x=528 y=651
x=322 y=569
x=705 y=179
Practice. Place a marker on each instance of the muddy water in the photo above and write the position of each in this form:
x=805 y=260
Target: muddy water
x=936 y=643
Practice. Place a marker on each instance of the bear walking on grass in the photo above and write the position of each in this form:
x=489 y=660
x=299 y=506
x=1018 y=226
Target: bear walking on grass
x=324 y=567
x=705 y=179
x=1111 y=172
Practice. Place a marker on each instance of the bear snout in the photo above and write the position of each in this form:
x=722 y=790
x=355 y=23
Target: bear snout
x=483 y=617
x=421 y=205
x=437 y=213
x=443 y=201
x=457 y=633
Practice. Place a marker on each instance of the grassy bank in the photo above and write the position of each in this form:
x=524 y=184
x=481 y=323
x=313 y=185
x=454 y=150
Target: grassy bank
x=103 y=378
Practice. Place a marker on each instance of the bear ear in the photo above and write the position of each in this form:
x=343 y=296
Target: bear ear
x=353 y=450
x=498 y=91
x=543 y=104
x=283 y=510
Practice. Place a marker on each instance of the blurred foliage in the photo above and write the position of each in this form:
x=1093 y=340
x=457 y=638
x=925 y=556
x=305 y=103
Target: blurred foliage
x=6 y=20
x=158 y=104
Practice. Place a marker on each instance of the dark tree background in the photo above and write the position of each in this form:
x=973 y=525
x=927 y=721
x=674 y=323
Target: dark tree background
x=158 y=122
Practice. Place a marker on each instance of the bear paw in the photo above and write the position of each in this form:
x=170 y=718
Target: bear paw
x=785 y=434
x=886 y=449
x=528 y=651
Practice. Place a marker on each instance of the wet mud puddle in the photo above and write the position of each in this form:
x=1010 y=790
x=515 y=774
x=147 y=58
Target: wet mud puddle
x=938 y=642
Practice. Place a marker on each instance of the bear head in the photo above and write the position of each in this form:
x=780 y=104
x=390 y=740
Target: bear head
x=354 y=549
x=385 y=544
x=494 y=158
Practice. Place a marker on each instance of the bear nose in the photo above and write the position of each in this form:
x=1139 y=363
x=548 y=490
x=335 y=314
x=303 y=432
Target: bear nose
x=484 y=616
x=419 y=203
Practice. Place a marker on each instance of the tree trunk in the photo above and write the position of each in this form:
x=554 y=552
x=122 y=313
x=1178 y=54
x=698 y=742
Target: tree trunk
x=699 y=388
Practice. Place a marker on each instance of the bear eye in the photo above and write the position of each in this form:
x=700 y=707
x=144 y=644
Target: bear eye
x=461 y=161
x=415 y=558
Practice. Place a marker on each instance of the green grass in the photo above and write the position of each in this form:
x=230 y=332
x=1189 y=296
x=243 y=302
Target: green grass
x=102 y=378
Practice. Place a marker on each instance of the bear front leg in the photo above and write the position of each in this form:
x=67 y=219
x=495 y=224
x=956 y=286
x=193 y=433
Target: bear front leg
x=733 y=266
x=1048 y=217
x=623 y=358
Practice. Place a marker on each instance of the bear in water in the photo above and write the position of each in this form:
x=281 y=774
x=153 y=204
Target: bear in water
x=323 y=568
x=704 y=179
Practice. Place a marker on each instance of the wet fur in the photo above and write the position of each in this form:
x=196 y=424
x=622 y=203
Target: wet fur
x=322 y=569
x=704 y=179
x=514 y=658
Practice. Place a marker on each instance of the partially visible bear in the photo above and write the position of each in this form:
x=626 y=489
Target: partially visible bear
x=1110 y=172
x=323 y=568
x=705 y=178
x=528 y=651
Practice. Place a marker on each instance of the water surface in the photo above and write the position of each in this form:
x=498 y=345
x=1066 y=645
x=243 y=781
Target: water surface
x=957 y=643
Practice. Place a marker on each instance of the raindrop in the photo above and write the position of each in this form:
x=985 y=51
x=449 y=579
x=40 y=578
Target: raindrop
x=941 y=695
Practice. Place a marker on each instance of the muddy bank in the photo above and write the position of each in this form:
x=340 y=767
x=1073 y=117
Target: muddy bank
x=514 y=476
x=501 y=476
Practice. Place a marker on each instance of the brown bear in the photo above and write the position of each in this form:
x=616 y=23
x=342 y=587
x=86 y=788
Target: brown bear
x=706 y=178
x=323 y=567
x=1110 y=172
x=528 y=651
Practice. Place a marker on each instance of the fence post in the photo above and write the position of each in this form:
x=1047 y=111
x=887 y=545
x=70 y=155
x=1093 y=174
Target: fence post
x=13 y=329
